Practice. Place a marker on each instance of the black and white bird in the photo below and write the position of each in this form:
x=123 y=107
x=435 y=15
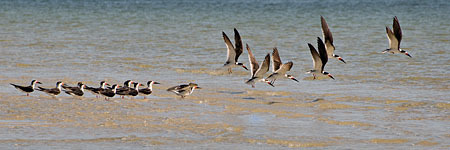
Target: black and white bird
x=52 y=91
x=108 y=93
x=134 y=91
x=395 y=38
x=328 y=37
x=279 y=69
x=148 y=90
x=184 y=89
x=257 y=72
x=319 y=59
x=233 y=52
x=96 y=91
x=123 y=91
x=26 y=89
x=77 y=91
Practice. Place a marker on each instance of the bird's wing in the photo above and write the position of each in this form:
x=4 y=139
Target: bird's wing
x=393 y=42
x=253 y=63
x=327 y=36
x=285 y=68
x=179 y=87
x=53 y=91
x=317 y=62
x=397 y=31
x=276 y=60
x=264 y=67
x=238 y=42
x=17 y=86
x=230 y=49
x=322 y=52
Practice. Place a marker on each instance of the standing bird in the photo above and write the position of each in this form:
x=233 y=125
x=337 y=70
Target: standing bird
x=108 y=93
x=184 y=89
x=27 y=89
x=53 y=91
x=96 y=91
x=233 y=53
x=279 y=69
x=147 y=91
x=329 y=40
x=125 y=89
x=256 y=71
x=395 y=38
x=134 y=91
x=75 y=91
x=319 y=59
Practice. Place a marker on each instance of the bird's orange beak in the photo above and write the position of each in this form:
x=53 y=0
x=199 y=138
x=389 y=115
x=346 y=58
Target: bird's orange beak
x=406 y=53
x=243 y=66
x=329 y=75
x=292 y=78
x=340 y=58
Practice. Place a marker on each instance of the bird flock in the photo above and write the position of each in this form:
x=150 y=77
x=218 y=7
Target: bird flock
x=325 y=49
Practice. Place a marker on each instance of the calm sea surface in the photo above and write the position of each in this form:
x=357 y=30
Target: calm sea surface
x=377 y=100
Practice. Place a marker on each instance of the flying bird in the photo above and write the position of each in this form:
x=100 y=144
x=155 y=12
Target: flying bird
x=233 y=53
x=279 y=69
x=328 y=37
x=257 y=72
x=394 y=39
x=319 y=59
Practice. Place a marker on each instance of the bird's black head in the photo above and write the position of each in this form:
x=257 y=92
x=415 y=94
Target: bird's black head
x=59 y=83
x=128 y=83
x=35 y=81
x=150 y=82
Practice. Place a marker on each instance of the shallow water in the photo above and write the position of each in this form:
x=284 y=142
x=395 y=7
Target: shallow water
x=377 y=100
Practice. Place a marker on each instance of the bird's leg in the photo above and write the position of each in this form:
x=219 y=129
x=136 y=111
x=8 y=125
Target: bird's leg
x=253 y=86
x=314 y=76
x=182 y=96
x=144 y=97
x=229 y=70
x=28 y=94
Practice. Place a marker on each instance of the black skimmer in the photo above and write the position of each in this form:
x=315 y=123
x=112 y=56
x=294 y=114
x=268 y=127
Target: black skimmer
x=52 y=91
x=257 y=72
x=279 y=69
x=184 y=89
x=395 y=38
x=329 y=40
x=134 y=91
x=147 y=91
x=319 y=59
x=233 y=53
x=126 y=87
x=108 y=93
x=96 y=91
x=27 y=89
x=75 y=91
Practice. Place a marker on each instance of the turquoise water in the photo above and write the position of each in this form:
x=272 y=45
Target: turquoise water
x=176 y=42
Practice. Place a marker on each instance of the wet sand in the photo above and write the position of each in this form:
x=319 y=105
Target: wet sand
x=221 y=118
